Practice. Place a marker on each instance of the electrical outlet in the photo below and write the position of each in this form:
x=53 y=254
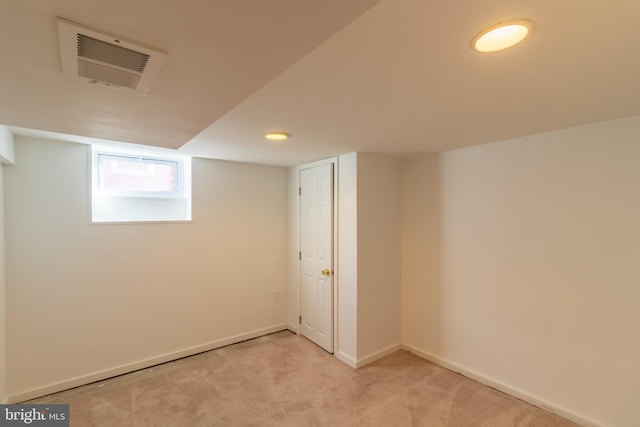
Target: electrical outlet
x=276 y=296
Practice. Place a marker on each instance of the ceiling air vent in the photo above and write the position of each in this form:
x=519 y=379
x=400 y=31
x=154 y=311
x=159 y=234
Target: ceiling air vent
x=102 y=58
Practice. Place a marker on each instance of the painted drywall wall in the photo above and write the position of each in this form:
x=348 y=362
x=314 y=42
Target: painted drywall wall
x=368 y=273
x=89 y=299
x=7 y=146
x=378 y=252
x=520 y=266
x=7 y=156
x=347 y=268
x=3 y=306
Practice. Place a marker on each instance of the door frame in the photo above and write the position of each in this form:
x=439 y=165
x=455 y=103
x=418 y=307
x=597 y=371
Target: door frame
x=296 y=281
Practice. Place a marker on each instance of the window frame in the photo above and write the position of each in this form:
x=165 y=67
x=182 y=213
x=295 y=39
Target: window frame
x=182 y=184
x=179 y=178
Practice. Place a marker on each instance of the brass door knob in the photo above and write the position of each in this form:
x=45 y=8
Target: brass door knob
x=326 y=272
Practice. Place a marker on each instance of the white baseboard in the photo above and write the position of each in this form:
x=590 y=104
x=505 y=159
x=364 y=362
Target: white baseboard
x=346 y=359
x=377 y=355
x=142 y=364
x=123 y=369
x=294 y=328
x=368 y=359
x=519 y=394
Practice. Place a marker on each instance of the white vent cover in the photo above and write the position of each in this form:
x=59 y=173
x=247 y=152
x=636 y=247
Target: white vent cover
x=102 y=58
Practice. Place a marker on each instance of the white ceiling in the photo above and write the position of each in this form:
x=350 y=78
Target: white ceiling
x=390 y=76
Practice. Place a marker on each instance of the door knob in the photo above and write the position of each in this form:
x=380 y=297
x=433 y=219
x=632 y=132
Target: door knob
x=326 y=272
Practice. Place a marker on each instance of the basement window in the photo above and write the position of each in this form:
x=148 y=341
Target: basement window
x=140 y=187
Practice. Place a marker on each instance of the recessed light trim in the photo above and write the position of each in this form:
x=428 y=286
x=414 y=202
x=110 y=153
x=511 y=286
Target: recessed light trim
x=502 y=36
x=276 y=136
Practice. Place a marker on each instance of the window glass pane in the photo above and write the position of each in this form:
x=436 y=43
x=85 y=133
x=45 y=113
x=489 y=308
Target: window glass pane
x=122 y=173
x=139 y=187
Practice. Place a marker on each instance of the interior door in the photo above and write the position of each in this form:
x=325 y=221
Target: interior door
x=316 y=223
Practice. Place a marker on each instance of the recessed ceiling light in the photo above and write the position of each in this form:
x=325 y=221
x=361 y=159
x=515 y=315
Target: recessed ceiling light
x=502 y=36
x=276 y=136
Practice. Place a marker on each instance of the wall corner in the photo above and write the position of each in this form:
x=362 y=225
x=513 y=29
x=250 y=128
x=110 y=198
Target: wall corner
x=7 y=146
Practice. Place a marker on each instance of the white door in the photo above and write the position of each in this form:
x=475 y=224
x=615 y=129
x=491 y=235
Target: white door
x=316 y=223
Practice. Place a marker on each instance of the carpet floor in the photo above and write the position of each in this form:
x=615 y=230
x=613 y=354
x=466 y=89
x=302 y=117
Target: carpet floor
x=284 y=380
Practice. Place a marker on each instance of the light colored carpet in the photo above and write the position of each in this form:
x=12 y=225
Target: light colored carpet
x=284 y=380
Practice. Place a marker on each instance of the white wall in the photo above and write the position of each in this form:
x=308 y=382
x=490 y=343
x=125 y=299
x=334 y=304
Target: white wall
x=7 y=146
x=3 y=307
x=520 y=266
x=7 y=156
x=347 y=268
x=87 y=301
x=378 y=255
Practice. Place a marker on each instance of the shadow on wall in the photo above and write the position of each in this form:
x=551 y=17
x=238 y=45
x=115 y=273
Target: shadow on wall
x=423 y=325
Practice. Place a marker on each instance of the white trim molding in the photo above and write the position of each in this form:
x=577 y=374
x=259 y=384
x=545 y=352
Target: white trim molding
x=142 y=364
x=514 y=392
x=346 y=359
x=377 y=355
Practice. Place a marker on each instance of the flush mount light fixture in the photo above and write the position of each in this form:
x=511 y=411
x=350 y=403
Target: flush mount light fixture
x=502 y=36
x=276 y=136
